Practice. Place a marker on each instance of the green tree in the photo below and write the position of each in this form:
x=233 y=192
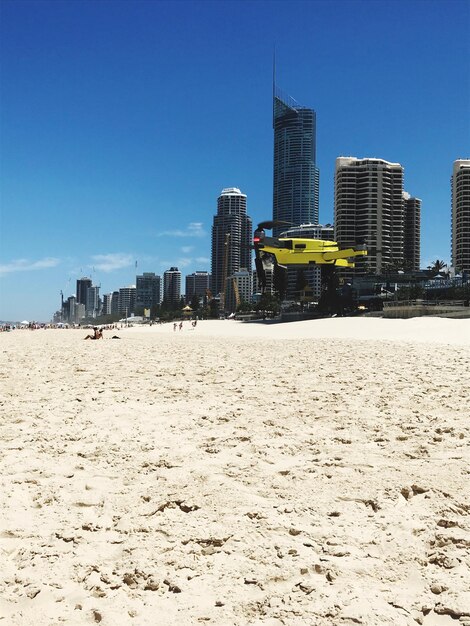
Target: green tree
x=412 y=292
x=244 y=307
x=195 y=302
x=214 y=308
x=436 y=267
x=269 y=302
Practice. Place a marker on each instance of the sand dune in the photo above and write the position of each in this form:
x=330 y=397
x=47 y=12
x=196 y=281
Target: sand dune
x=306 y=473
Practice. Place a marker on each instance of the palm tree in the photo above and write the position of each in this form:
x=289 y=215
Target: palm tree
x=436 y=267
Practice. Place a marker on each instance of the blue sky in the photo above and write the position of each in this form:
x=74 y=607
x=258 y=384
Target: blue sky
x=121 y=122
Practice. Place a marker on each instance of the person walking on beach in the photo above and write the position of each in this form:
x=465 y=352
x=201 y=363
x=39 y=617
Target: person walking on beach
x=174 y=326
x=181 y=325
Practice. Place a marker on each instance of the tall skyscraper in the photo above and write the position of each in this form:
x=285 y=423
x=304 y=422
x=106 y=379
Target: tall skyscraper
x=172 y=287
x=148 y=291
x=412 y=234
x=296 y=176
x=460 y=184
x=82 y=285
x=369 y=207
x=230 y=254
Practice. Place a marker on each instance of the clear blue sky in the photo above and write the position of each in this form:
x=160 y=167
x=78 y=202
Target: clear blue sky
x=121 y=122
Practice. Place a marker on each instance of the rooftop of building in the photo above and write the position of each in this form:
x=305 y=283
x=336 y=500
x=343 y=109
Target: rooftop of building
x=461 y=163
x=231 y=191
x=350 y=160
x=287 y=99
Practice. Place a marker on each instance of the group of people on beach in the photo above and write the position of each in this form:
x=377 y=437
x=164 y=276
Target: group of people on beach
x=180 y=325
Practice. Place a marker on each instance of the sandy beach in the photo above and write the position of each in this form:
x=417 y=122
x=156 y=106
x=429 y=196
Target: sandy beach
x=312 y=473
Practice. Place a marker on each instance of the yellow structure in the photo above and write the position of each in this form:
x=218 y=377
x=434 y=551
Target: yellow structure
x=284 y=252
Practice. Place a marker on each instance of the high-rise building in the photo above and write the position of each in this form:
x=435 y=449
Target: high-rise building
x=369 y=207
x=115 y=303
x=72 y=310
x=296 y=176
x=460 y=184
x=82 y=285
x=197 y=284
x=148 y=291
x=92 y=304
x=412 y=234
x=172 y=287
x=269 y=278
x=107 y=303
x=127 y=300
x=239 y=289
x=231 y=237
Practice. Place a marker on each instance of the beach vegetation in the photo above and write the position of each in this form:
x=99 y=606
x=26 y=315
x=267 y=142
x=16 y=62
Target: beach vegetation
x=436 y=267
x=270 y=303
x=195 y=302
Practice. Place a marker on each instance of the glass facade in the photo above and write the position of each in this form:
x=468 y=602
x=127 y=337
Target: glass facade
x=296 y=176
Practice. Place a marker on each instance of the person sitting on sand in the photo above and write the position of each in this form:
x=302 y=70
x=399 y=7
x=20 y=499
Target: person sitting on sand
x=98 y=334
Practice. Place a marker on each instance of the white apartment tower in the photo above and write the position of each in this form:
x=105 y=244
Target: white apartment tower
x=369 y=208
x=460 y=184
x=231 y=238
x=239 y=289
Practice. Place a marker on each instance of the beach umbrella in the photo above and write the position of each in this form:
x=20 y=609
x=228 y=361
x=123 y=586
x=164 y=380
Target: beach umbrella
x=25 y=322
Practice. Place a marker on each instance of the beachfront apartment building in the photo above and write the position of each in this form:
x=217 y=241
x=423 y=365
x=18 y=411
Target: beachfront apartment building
x=148 y=291
x=107 y=303
x=126 y=300
x=115 y=303
x=93 y=302
x=412 y=233
x=197 y=284
x=369 y=207
x=239 y=289
x=172 y=287
x=460 y=187
x=231 y=238
x=73 y=312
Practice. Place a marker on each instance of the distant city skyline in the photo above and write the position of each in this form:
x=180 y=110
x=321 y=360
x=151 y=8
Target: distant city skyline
x=112 y=152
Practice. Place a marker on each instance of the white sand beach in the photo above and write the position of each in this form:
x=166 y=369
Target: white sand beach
x=312 y=473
